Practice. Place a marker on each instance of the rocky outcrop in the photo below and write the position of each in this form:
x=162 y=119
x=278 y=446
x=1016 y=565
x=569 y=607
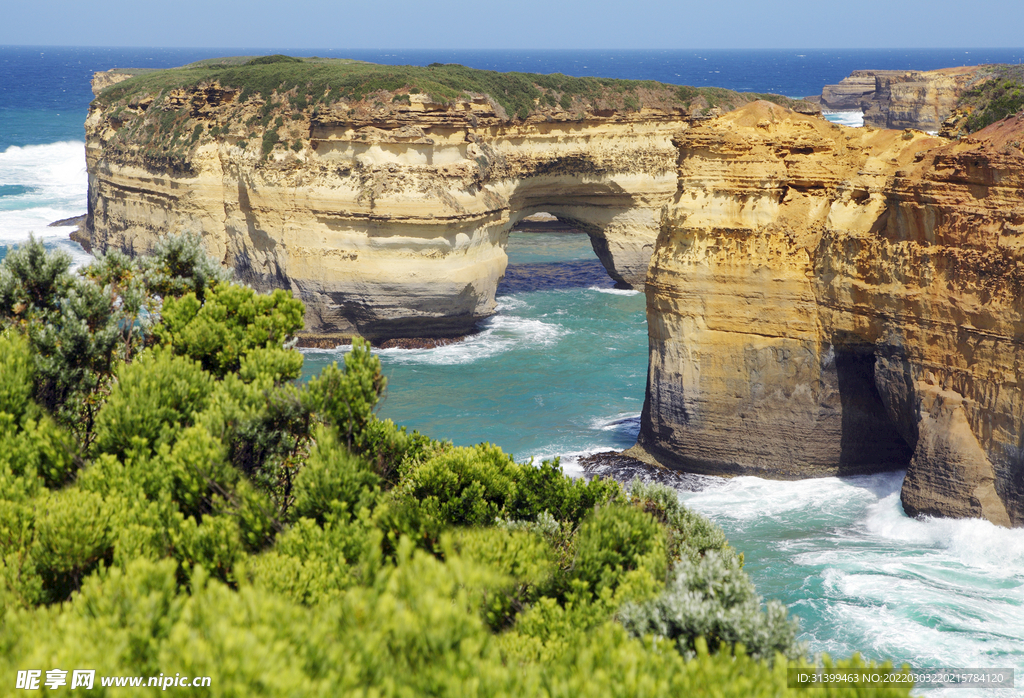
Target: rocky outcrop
x=382 y=195
x=394 y=227
x=832 y=301
x=107 y=78
x=852 y=93
x=899 y=99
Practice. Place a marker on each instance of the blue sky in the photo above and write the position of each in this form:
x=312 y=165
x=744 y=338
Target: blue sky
x=524 y=24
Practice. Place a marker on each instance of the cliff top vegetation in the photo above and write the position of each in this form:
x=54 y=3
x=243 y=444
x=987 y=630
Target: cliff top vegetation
x=998 y=94
x=325 y=81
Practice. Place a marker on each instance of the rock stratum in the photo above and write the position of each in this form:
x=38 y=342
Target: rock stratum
x=834 y=301
x=382 y=197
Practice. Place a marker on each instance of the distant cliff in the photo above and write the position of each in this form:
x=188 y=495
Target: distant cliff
x=383 y=196
x=833 y=301
x=901 y=99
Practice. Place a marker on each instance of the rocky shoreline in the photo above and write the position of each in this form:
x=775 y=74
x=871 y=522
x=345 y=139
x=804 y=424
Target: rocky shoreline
x=821 y=301
x=625 y=468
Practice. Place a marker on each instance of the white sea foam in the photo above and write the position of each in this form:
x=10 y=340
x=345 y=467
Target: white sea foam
x=56 y=182
x=501 y=333
x=626 y=422
x=616 y=291
x=930 y=592
x=569 y=461
x=505 y=304
x=748 y=498
x=974 y=542
x=845 y=118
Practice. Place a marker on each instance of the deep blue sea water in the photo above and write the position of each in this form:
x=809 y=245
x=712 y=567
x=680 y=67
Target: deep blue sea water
x=560 y=370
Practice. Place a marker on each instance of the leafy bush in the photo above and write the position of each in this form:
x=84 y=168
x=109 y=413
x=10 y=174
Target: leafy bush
x=222 y=329
x=347 y=398
x=617 y=546
x=73 y=534
x=155 y=397
x=334 y=484
x=715 y=600
x=690 y=535
x=223 y=521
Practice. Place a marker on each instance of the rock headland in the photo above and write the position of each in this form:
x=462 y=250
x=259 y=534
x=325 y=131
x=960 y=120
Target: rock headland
x=821 y=300
x=833 y=301
x=899 y=99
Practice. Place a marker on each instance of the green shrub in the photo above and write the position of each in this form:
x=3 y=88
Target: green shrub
x=153 y=400
x=347 y=398
x=73 y=534
x=522 y=561
x=620 y=545
x=270 y=139
x=689 y=534
x=223 y=521
x=177 y=265
x=713 y=599
x=232 y=321
x=334 y=484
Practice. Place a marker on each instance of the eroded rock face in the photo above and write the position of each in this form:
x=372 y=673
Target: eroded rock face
x=396 y=226
x=899 y=99
x=830 y=301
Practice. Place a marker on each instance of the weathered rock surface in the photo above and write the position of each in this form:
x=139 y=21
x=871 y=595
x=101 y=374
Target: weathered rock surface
x=831 y=301
x=822 y=301
x=851 y=93
x=393 y=227
x=900 y=99
x=104 y=79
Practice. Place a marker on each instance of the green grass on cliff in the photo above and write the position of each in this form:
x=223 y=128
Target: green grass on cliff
x=157 y=125
x=324 y=81
x=996 y=98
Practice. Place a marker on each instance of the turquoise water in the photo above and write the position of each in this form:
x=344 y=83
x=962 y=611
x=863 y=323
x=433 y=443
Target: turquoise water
x=861 y=575
x=560 y=369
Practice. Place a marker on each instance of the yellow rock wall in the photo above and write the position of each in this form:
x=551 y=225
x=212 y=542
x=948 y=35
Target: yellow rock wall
x=394 y=227
x=830 y=301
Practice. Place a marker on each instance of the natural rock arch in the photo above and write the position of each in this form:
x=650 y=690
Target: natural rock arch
x=397 y=232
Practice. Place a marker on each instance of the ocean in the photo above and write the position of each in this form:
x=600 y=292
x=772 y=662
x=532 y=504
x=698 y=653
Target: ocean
x=560 y=370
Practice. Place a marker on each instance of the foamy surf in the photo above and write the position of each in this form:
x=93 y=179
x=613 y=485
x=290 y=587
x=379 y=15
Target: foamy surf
x=845 y=118
x=616 y=291
x=46 y=183
x=628 y=423
x=500 y=334
x=842 y=554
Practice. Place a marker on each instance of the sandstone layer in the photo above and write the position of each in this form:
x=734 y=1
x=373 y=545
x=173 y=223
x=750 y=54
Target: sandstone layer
x=899 y=99
x=395 y=227
x=832 y=301
x=382 y=196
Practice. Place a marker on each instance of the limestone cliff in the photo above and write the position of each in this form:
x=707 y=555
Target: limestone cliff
x=831 y=301
x=396 y=229
x=899 y=99
x=384 y=206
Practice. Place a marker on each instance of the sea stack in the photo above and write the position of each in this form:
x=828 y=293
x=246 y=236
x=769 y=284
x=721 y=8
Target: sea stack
x=833 y=301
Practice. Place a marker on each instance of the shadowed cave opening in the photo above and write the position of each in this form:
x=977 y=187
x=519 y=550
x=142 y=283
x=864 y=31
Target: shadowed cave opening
x=869 y=441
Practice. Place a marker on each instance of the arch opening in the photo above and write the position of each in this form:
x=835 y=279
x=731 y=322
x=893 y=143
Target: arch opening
x=547 y=252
